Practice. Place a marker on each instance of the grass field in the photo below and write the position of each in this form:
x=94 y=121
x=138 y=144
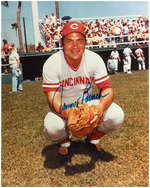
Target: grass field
x=29 y=159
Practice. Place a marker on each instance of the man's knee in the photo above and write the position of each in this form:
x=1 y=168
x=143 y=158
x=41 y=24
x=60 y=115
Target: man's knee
x=116 y=119
x=54 y=127
x=113 y=118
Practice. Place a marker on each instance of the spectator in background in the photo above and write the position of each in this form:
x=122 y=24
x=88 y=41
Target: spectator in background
x=52 y=41
x=112 y=22
x=47 y=48
x=102 y=23
x=119 y=23
x=117 y=32
x=57 y=39
x=122 y=38
x=53 y=18
x=146 y=23
x=102 y=41
x=108 y=38
x=133 y=37
x=142 y=28
x=113 y=28
x=6 y=56
x=46 y=19
x=97 y=24
x=122 y=21
x=128 y=23
x=91 y=23
x=147 y=35
x=139 y=37
x=125 y=31
x=95 y=39
x=14 y=62
x=127 y=28
x=111 y=66
x=89 y=41
x=14 y=47
x=39 y=48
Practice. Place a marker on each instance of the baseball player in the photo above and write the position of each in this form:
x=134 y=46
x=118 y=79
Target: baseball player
x=67 y=79
x=115 y=55
x=127 y=52
x=125 y=65
x=111 y=66
x=140 y=57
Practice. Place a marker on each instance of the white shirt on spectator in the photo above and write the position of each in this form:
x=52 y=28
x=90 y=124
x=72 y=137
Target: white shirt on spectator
x=13 y=57
x=117 y=31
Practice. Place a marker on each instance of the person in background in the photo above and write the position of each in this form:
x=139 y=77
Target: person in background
x=140 y=57
x=57 y=39
x=108 y=38
x=14 y=62
x=53 y=18
x=111 y=66
x=46 y=19
x=47 y=48
x=127 y=52
x=125 y=30
x=6 y=56
x=117 y=32
x=89 y=41
x=125 y=65
x=39 y=48
x=115 y=56
x=14 y=48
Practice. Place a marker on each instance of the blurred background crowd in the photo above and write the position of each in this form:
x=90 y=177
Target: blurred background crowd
x=99 y=33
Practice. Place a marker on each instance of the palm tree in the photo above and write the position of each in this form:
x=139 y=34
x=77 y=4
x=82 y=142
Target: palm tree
x=57 y=9
x=5 y=3
x=15 y=26
x=19 y=28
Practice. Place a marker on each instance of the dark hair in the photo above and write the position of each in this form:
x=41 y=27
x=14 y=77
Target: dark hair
x=62 y=40
x=4 y=41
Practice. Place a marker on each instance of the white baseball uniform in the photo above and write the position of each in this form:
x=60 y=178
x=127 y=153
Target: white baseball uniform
x=115 y=54
x=75 y=85
x=125 y=66
x=140 y=59
x=127 y=52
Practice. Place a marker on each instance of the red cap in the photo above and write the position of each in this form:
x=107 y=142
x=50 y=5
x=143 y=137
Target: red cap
x=71 y=27
x=139 y=46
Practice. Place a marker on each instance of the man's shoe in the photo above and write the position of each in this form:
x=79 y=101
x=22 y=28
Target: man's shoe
x=95 y=149
x=12 y=92
x=64 y=156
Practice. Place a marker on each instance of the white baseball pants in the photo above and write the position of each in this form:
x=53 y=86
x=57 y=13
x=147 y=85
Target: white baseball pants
x=141 y=63
x=128 y=59
x=116 y=64
x=125 y=68
x=55 y=127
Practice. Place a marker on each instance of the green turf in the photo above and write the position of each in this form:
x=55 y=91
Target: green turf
x=29 y=159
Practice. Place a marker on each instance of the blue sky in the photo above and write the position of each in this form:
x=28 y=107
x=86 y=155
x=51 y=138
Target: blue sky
x=75 y=9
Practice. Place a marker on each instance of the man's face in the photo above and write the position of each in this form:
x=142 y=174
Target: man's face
x=10 y=50
x=74 y=46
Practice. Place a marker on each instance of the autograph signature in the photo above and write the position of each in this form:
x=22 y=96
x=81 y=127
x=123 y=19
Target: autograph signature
x=89 y=97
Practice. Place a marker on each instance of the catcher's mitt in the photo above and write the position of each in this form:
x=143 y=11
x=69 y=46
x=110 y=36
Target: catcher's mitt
x=80 y=117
